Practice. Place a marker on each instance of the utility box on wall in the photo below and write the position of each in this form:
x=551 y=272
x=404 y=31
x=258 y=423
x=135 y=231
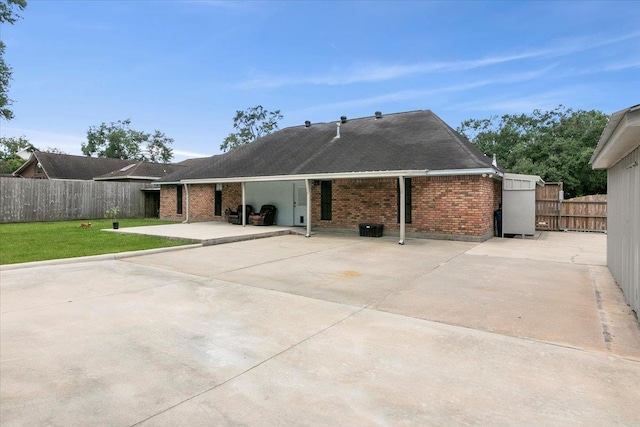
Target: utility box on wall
x=519 y=203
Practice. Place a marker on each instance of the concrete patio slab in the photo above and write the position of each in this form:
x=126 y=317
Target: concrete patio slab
x=547 y=301
x=381 y=369
x=209 y=233
x=121 y=354
x=577 y=248
x=358 y=274
x=330 y=329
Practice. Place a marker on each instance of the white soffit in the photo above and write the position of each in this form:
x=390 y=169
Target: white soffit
x=623 y=140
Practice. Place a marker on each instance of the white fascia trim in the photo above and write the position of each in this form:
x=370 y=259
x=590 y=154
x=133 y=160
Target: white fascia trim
x=458 y=172
x=319 y=176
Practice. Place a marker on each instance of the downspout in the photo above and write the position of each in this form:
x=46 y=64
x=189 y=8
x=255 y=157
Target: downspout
x=244 y=206
x=402 y=208
x=306 y=183
x=186 y=187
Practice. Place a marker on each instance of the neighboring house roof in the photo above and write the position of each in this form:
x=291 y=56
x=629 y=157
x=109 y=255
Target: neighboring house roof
x=413 y=141
x=65 y=166
x=141 y=170
x=620 y=137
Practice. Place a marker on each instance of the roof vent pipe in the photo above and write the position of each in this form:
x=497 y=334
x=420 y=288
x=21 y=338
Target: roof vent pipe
x=378 y=115
x=307 y=123
x=338 y=130
x=343 y=119
x=494 y=162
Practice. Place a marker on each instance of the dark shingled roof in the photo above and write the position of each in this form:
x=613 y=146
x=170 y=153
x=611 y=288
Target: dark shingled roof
x=142 y=170
x=415 y=140
x=65 y=166
x=194 y=161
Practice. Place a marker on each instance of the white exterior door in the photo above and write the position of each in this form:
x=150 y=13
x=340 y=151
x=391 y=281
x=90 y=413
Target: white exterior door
x=299 y=204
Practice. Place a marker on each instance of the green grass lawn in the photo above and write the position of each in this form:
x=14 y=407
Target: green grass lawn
x=39 y=241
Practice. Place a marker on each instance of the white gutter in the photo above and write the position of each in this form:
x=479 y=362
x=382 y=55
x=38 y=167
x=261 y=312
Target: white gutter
x=458 y=172
x=402 y=208
x=244 y=206
x=319 y=176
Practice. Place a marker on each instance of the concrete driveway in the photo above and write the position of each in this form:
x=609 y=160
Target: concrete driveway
x=329 y=330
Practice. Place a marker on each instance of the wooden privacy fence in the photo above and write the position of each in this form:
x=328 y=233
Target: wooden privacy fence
x=30 y=200
x=587 y=213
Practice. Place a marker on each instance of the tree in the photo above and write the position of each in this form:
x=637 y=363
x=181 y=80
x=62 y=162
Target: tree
x=251 y=124
x=117 y=140
x=10 y=161
x=7 y=15
x=556 y=144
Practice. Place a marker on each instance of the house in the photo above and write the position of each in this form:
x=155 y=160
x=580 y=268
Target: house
x=43 y=165
x=53 y=166
x=410 y=172
x=618 y=151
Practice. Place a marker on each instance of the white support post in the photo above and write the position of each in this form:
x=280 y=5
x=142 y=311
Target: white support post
x=244 y=206
x=306 y=182
x=402 y=208
x=186 y=190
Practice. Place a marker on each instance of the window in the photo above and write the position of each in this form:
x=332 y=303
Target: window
x=325 y=200
x=407 y=201
x=179 y=199
x=217 y=201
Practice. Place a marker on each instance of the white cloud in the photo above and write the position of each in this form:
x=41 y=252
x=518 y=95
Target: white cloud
x=369 y=73
x=417 y=93
x=373 y=72
x=189 y=154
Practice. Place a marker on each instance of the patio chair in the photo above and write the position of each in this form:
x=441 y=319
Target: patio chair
x=266 y=216
x=235 y=217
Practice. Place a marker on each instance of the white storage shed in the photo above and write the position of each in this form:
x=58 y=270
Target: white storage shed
x=519 y=203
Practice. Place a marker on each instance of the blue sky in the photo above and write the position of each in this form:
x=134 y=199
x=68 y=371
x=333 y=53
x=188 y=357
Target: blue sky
x=185 y=67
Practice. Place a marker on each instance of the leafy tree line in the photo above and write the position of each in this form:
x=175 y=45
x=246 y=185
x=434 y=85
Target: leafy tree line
x=10 y=160
x=117 y=140
x=250 y=125
x=556 y=145
x=8 y=15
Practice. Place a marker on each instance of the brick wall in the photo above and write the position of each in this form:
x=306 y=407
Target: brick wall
x=201 y=202
x=459 y=207
x=201 y=198
x=168 y=206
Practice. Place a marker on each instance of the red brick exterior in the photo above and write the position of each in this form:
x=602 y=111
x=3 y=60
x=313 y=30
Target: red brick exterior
x=231 y=198
x=201 y=198
x=458 y=207
x=168 y=203
x=449 y=207
x=201 y=202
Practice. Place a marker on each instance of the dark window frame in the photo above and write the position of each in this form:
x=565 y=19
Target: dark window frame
x=217 y=202
x=326 y=194
x=179 y=199
x=407 y=200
